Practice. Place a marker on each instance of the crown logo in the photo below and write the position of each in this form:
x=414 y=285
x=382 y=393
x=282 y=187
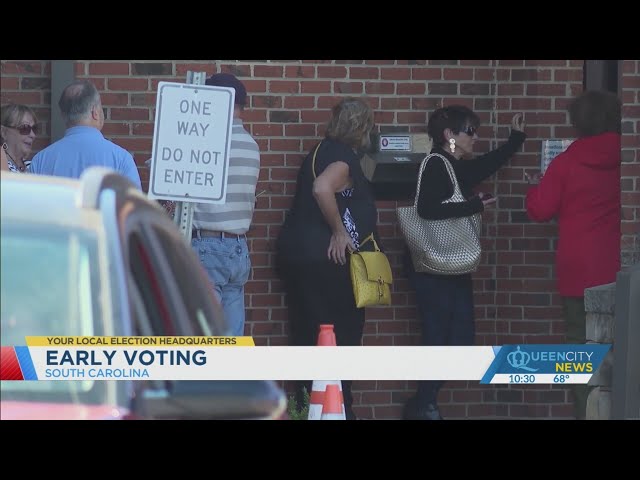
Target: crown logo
x=520 y=360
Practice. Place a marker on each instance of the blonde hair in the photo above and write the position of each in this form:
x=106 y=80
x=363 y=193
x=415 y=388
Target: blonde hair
x=13 y=113
x=351 y=122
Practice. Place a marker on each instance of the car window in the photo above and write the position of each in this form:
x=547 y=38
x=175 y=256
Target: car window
x=50 y=282
x=204 y=312
x=50 y=285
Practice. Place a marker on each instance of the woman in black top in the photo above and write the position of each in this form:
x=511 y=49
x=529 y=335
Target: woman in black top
x=333 y=211
x=445 y=302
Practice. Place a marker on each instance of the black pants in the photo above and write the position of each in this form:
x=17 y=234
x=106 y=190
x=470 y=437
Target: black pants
x=445 y=308
x=321 y=293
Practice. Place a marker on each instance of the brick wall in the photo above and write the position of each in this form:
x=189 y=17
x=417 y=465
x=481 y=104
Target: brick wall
x=290 y=102
x=630 y=162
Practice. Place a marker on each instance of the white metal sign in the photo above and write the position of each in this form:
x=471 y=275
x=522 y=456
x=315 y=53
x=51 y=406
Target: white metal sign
x=191 y=143
x=550 y=150
x=401 y=143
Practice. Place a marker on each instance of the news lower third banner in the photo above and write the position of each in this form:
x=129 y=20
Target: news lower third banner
x=201 y=358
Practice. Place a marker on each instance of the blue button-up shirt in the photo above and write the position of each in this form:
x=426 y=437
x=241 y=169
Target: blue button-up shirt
x=80 y=148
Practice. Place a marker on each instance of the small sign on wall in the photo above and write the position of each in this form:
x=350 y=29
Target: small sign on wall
x=395 y=143
x=550 y=150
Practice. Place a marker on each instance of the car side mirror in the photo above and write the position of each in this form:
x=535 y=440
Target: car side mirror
x=213 y=400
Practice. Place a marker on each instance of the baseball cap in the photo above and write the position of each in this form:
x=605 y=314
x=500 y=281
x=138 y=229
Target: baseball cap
x=229 y=80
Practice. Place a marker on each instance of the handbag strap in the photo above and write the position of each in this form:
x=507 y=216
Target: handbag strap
x=457 y=193
x=375 y=244
x=313 y=162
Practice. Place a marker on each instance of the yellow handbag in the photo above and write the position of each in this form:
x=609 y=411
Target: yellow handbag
x=371 y=276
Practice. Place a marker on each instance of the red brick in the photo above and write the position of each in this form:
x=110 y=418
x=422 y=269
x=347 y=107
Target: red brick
x=562 y=75
x=109 y=68
x=364 y=73
x=284 y=86
x=267 y=130
x=457 y=74
x=395 y=103
x=395 y=73
x=128 y=114
x=270 y=71
x=284 y=144
x=485 y=63
x=411 y=88
x=112 y=128
x=25 y=98
x=128 y=84
x=379 y=88
x=22 y=67
x=299 y=102
x=314 y=116
x=429 y=73
x=412 y=117
x=547 y=89
x=332 y=72
x=268 y=216
x=8 y=83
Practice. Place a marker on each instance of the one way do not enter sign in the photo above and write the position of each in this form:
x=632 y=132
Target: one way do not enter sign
x=191 y=143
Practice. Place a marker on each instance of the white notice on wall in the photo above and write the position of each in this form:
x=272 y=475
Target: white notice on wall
x=551 y=149
x=398 y=143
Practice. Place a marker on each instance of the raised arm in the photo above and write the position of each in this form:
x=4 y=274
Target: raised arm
x=480 y=168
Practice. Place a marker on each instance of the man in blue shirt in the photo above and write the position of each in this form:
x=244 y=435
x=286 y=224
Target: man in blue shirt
x=83 y=144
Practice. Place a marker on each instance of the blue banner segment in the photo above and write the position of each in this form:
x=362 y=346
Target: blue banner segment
x=582 y=359
x=26 y=363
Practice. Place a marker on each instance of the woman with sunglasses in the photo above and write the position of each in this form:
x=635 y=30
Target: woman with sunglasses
x=445 y=302
x=19 y=129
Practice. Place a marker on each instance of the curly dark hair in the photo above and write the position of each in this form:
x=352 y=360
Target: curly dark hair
x=454 y=117
x=595 y=112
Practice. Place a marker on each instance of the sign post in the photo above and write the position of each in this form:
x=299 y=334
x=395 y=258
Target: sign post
x=191 y=144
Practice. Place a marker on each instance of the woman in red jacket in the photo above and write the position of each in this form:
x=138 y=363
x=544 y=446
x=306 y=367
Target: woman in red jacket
x=581 y=188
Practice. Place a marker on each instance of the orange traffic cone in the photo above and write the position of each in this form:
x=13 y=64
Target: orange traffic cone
x=326 y=337
x=318 y=396
x=333 y=407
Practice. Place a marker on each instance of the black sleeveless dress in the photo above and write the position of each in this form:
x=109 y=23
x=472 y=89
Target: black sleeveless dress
x=305 y=235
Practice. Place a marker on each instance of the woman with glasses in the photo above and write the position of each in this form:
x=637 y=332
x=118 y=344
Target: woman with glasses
x=19 y=129
x=445 y=302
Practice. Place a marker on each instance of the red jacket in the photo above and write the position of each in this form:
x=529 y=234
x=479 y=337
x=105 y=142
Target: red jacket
x=581 y=187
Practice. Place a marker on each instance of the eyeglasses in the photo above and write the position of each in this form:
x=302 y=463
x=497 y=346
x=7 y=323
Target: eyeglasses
x=469 y=130
x=26 y=129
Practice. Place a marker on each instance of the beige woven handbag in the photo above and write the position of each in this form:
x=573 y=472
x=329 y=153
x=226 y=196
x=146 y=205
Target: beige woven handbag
x=447 y=247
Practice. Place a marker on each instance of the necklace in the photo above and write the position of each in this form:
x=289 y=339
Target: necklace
x=15 y=164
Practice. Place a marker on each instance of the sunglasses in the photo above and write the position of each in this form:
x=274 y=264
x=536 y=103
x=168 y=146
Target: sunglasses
x=469 y=130
x=26 y=129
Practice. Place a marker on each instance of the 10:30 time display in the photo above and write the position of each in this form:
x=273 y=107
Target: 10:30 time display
x=522 y=378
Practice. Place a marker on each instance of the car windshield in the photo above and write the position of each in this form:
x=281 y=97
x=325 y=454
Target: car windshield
x=50 y=285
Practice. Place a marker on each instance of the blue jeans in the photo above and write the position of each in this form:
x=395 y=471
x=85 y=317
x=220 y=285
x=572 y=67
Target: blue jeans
x=227 y=263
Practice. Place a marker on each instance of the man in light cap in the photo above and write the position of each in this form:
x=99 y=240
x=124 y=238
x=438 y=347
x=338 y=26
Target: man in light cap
x=219 y=231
